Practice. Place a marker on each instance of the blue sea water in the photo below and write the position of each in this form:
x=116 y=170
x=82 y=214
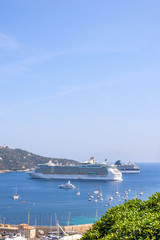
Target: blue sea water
x=45 y=202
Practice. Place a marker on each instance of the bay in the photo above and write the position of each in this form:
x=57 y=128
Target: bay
x=46 y=202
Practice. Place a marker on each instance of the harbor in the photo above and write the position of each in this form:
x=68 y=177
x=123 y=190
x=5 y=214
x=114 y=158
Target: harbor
x=39 y=232
x=46 y=202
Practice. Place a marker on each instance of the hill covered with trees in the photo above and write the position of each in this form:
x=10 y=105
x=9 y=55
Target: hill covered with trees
x=135 y=219
x=18 y=159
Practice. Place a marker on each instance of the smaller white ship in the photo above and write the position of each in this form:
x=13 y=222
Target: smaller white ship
x=127 y=167
x=15 y=196
x=67 y=185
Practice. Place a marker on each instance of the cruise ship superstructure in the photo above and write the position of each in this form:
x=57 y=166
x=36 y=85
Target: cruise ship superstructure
x=89 y=170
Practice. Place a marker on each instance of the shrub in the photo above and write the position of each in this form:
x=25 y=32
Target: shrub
x=135 y=219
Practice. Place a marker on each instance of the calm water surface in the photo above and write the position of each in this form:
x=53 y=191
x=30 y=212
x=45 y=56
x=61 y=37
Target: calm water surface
x=46 y=202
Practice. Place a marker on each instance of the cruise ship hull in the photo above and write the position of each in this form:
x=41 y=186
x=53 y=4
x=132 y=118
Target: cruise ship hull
x=110 y=177
x=129 y=171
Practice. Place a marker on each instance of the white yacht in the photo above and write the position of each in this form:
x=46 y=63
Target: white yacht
x=67 y=185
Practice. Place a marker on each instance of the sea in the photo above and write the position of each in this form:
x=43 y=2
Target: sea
x=43 y=203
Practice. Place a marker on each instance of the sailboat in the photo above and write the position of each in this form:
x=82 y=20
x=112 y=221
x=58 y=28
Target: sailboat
x=78 y=193
x=15 y=196
x=141 y=193
x=117 y=192
x=100 y=194
x=96 y=213
x=68 y=219
x=135 y=196
x=96 y=191
x=110 y=198
x=69 y=235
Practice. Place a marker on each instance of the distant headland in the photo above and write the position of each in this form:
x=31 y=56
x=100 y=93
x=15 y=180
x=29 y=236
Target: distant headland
x=21 y=160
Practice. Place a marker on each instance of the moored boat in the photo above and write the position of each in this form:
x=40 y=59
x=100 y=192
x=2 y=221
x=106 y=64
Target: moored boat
x=17 y=236
x=67 y=185
x=78 y=192
x=15 y=195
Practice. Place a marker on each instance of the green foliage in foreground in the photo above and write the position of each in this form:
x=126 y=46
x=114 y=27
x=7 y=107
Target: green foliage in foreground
x=135 y=219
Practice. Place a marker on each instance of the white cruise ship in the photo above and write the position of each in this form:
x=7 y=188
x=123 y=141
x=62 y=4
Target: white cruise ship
x=127 y=167
x=89 y=170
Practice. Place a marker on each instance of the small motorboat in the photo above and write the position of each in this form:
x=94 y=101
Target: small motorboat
x=67 y=185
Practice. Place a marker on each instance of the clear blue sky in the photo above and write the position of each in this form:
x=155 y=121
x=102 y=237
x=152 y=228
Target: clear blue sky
x=81 y=78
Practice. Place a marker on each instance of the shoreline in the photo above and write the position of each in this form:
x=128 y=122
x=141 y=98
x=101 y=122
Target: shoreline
x=43 y=230
x=5 y=171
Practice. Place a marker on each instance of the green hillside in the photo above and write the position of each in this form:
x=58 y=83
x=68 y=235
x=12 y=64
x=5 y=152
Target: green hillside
x=18 y=159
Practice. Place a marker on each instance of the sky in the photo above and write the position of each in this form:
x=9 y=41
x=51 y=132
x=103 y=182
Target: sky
x=81 y=78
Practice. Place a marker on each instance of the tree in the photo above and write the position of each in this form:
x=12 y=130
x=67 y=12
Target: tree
x=135 y=219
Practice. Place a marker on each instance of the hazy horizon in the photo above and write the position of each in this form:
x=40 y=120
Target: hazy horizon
x=81 y=79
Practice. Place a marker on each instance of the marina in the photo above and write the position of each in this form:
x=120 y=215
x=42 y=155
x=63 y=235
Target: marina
x=23 y=232
x=44 y=200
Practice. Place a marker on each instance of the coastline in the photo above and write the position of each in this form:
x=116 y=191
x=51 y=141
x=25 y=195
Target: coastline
x=5 y=171
x=40 y=231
